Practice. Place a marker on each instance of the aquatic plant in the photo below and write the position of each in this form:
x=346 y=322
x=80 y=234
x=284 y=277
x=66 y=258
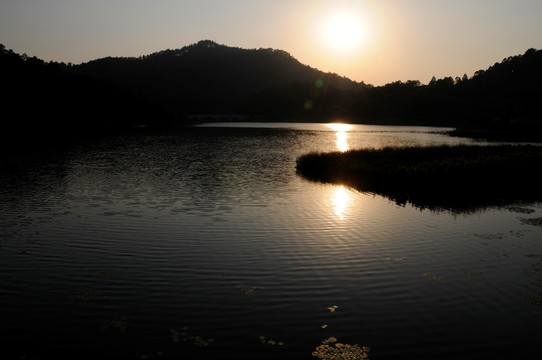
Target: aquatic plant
x=92 y=294
x=89 y=295
x=452 y=177
x=249 y=290
x=185 y=336
x=435 y=277
x=397 y=259
x=330 y=349
x=120 y=323
x=265 y=340
x=159 y=354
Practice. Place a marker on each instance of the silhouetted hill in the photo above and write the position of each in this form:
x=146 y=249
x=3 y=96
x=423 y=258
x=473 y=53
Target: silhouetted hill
x=210 y=78
x=505 y=101
x=52 y=100
x=48 y=103
x=502 y=101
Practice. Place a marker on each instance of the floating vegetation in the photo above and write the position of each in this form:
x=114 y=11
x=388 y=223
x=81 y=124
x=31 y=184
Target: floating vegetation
x=186 y=337
x=103 y=276
x=534 y=221
x=120 y=323
x=147 y=356
x=467 y=272
x=489 y=236
x=265 y=340
x=500 y=236
x=478 y=276
x=249 y=290
x=333 y=308
x=330 y=349
x=222 y=276
x=435 y=277
x=437 y=263
x=89 y=295
x=396 y=259
x=176 y=335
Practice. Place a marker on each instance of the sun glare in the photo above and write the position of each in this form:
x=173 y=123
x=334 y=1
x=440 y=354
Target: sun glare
x=342 y=135
x=340 y=200
x=343 y=31
x=339 y=127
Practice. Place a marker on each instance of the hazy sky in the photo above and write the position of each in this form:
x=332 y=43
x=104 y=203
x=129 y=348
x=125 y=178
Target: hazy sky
x=377 y=41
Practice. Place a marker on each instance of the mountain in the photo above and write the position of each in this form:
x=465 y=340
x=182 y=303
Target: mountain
x=51 y=102
x=48 y=103
x=504 y=101
x=210 y=78
x=501 y=102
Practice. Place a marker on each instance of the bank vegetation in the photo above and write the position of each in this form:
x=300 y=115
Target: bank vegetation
x=457 y=177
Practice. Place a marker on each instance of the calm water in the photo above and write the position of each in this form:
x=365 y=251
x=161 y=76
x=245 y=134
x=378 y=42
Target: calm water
x=207 y=244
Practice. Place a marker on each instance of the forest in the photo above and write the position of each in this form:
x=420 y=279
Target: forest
x=171 y=88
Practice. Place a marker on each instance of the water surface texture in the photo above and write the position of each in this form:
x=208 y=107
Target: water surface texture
x=207 y=244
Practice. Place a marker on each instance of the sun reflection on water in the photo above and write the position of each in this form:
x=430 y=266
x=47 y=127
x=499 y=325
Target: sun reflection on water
x=342 y=135
x=342 y=141
x=340 y=200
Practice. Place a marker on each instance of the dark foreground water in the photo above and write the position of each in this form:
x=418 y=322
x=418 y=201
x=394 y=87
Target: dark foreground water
x=208 y=245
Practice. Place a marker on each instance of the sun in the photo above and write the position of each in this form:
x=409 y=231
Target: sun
x=343 y=31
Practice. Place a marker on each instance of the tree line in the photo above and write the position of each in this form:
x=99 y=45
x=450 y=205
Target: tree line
x=45 y=103
x=165 y=88
x=502 y=101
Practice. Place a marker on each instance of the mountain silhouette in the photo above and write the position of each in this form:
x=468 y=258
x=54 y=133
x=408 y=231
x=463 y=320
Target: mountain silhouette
x=210 y=78
x=50 y=102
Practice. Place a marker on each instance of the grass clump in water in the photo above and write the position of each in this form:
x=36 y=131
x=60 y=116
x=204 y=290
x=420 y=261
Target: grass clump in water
x=433 y=176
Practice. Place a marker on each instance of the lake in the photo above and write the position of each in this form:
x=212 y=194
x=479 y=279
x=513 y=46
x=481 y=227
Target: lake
x=206 y=244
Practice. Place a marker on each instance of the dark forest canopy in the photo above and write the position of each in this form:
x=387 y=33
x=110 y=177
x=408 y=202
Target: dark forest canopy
x=47 y=102
x=166 y=87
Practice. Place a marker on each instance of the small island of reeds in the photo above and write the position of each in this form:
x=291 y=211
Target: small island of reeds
x=460 y=178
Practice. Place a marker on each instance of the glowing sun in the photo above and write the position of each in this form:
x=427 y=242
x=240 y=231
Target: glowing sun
x=343 y=32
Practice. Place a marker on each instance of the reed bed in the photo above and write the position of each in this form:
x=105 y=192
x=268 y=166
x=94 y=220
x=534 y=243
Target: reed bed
x=464 y=173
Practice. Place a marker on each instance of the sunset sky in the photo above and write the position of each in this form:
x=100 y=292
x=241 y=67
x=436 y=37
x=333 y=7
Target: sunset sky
x=372 y=41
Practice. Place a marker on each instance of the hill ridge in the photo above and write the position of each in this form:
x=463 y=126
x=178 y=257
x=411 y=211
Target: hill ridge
x=265 y=84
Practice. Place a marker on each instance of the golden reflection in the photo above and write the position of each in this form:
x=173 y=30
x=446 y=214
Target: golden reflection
x=342 y=141
x=340 y=201
x=342 y=135
x=339 y=127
